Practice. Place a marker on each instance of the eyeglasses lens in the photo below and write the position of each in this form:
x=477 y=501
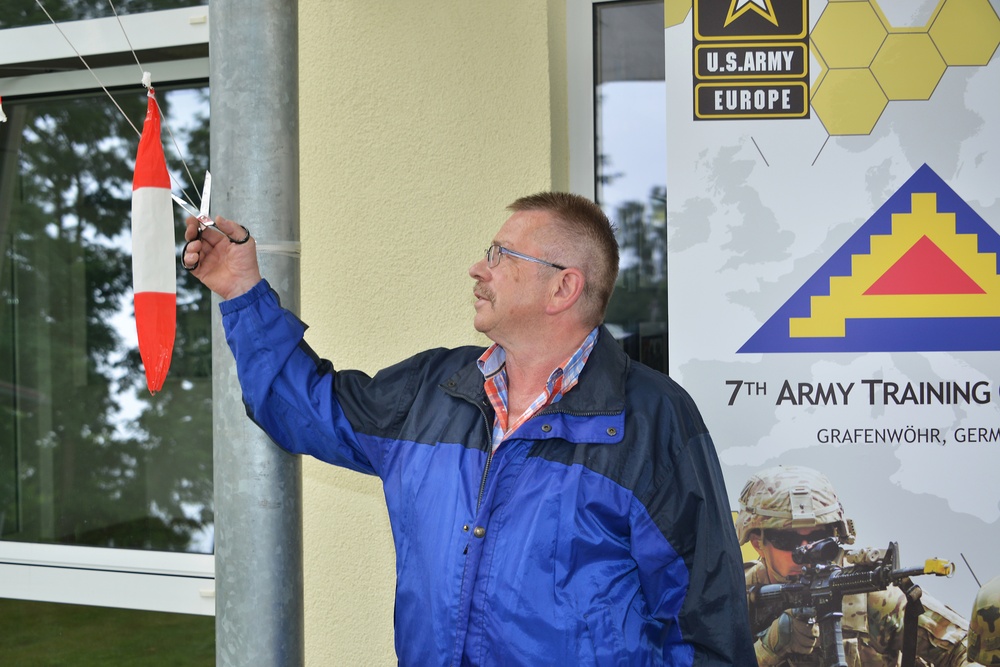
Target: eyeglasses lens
x=493 y=256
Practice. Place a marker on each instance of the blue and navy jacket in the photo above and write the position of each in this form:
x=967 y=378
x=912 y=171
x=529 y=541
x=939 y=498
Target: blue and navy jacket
x=598 y=534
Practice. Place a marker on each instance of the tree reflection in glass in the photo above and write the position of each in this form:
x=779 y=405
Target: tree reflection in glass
x=87 y=455
x=630 y=137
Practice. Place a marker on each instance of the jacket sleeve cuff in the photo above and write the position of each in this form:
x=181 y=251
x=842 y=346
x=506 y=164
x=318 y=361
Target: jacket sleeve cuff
x=245 y=299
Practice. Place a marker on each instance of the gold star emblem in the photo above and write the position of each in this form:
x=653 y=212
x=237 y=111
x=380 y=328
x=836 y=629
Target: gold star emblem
x=738 y=8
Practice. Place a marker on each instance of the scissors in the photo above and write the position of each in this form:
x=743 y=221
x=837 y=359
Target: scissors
x=204 y=219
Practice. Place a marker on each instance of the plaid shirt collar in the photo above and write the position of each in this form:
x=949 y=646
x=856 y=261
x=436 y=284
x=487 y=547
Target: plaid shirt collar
x=492 y=363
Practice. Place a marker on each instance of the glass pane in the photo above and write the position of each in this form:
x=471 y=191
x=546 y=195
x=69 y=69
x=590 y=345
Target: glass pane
x=630 y=140
x=43 y=634
x=87 y=455
x=23 y=13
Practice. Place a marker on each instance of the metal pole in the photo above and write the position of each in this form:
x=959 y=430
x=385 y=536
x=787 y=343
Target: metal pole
x=255 y=180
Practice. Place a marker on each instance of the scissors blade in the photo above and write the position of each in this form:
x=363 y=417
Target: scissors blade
x=206 y=197
x=187 y=209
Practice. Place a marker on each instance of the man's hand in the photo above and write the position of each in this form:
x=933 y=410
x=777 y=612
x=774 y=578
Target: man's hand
x=228 y=269
x=788 y=634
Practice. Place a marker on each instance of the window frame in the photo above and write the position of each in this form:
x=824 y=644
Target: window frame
x=125 y=578
x=580 y=95
x=646 y=340
x=580 y=77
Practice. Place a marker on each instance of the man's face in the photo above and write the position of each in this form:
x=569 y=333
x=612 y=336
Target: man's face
x=511 y=296
x=775 y=548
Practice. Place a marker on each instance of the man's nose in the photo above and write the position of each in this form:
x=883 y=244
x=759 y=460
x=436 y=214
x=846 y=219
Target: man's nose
x=478 y=269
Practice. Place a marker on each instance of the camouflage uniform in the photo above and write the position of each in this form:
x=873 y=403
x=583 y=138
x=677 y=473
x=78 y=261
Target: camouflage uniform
x=793 y=497
x=873 y=629
x=984 y=625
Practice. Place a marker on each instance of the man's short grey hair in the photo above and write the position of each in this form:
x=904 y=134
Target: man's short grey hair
x=588 y=231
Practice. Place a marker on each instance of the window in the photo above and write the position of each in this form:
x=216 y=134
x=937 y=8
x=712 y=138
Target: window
x=105 y=490
x=618 y=155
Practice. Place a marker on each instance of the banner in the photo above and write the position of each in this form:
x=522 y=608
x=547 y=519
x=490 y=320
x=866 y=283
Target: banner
x=833 y=170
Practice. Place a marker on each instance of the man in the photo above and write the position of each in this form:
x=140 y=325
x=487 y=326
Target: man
x=786 y=507
x=552 y=502
x=984 y=625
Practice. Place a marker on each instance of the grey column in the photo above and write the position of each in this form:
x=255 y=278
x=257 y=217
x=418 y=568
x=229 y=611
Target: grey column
x=255 y=181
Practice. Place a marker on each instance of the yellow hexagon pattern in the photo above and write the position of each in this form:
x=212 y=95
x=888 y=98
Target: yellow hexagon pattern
x=850 y=101
x=848 y=34
x=908 y=67
x=966 y=32
x=865 y=63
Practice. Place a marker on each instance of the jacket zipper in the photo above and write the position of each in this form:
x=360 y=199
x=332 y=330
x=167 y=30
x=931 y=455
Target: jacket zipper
x=482 y=484
x=486 y=469
x=489 y=459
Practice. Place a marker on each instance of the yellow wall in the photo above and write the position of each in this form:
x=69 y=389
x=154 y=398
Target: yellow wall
x=420 y=121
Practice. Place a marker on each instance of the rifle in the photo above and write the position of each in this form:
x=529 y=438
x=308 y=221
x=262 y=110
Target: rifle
x=823 y=584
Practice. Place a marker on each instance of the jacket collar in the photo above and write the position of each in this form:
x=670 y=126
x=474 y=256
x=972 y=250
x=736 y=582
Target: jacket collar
x=601 y=388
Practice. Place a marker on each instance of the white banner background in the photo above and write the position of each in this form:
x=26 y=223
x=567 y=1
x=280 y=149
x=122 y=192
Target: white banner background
x=755 y=208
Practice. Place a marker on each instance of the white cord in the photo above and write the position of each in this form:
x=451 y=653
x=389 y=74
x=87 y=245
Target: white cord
x=286 y=248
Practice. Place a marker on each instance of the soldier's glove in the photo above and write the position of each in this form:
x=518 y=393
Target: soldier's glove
x=788 y=634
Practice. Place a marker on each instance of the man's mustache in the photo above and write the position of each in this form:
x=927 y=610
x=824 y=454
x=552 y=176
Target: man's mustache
x=481 y=291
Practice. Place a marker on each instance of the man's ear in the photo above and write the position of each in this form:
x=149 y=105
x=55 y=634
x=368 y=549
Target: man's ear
x=567 y=288
x=755 y=541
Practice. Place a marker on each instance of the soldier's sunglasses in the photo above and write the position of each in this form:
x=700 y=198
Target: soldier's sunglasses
x=789 y=540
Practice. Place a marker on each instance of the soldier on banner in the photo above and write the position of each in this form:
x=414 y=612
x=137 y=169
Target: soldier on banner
x=785 y=507
x=984 y=625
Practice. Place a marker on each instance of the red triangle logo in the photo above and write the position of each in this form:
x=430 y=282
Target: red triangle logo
x=924 y=269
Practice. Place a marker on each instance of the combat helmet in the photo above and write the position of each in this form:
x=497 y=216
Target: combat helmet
x=984 y=625
x=790 y=497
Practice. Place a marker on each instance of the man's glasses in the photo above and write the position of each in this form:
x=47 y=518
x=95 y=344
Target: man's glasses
x=789 y=540
x=495 y=251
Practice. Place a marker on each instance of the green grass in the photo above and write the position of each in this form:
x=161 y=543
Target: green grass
x=42 y=634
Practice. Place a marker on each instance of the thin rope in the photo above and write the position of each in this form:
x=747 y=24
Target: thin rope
x=145 y=81
x=96 y=78
x=180 y=155
x=130 y=47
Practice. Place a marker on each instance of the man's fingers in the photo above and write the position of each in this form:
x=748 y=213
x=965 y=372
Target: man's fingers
x=191 y=254
x=191 y=228
x=192 y=247
x=232 y=229
x=198 y=241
